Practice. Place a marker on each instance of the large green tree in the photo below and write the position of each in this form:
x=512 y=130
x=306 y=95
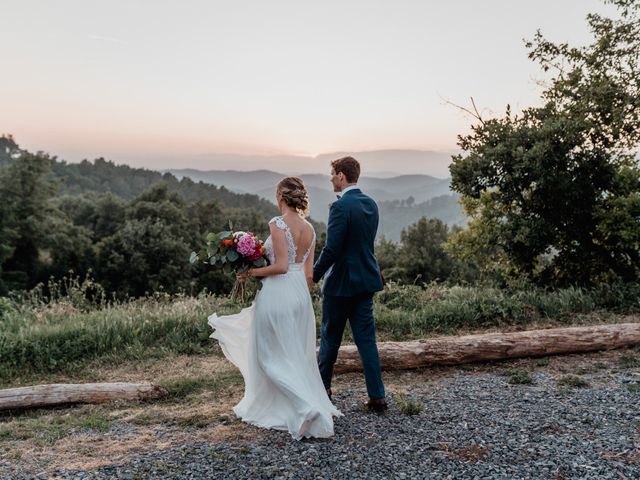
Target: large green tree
x=150 y=251
x=553 y=193
x=8 y=149
x=421 y=257
x=101 y=214
x=25 y=189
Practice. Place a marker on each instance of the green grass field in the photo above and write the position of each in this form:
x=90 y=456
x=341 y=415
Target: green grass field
x=40 y=336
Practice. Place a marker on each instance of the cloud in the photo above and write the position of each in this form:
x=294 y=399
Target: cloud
x=103 y=38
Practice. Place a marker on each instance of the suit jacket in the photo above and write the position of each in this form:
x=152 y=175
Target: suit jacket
x=347 y=261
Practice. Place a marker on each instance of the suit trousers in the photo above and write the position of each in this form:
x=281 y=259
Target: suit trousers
x=358 y=310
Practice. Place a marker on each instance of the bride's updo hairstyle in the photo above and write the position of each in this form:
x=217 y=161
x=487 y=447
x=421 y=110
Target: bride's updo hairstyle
x=294 y=194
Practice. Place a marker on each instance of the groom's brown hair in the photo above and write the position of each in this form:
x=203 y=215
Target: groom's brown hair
x=349 y=166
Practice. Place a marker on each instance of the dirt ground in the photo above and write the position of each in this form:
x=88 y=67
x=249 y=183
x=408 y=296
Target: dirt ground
x=88 y=436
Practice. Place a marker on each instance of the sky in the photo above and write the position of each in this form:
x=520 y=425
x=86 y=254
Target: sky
x=162 y=84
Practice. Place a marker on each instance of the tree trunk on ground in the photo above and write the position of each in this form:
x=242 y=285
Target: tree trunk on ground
x=494 y=346
x=62 y=394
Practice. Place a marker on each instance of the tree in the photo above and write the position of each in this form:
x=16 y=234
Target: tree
x=25 y=189
x=151 y=250
x=143 y=257
x=112 y=218
x=541 y=188
x=9 y=149
x=387 y=256
x=422 y=255
x=67 y=250
x=101 y=214
x=7 y=235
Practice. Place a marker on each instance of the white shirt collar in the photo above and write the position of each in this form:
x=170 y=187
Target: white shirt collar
x=351 y=187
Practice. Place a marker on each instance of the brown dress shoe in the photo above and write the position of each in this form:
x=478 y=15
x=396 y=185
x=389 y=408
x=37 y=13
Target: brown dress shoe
x=377 y=406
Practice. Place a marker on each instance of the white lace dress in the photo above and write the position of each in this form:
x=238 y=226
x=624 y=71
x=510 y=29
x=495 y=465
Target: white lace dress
x=273 y=344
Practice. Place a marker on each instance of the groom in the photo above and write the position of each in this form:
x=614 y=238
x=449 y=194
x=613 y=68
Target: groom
x=351 y=277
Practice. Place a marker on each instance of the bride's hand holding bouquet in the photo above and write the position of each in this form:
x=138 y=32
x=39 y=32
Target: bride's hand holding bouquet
x=233 y=252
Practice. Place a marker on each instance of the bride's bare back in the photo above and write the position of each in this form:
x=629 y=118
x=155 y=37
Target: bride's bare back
x=302 y=233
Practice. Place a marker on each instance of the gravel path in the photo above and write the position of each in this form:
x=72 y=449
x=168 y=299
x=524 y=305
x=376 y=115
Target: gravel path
x=472 y=425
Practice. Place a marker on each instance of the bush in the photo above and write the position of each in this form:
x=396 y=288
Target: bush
x=58 y=337
x=6 y=307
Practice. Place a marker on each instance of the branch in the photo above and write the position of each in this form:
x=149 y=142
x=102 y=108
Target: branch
x=475 y=114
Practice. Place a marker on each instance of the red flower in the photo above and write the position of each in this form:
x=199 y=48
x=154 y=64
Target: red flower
x=256 y=255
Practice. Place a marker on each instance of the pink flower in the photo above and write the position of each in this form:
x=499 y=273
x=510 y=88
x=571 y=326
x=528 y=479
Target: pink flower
x=246 y=245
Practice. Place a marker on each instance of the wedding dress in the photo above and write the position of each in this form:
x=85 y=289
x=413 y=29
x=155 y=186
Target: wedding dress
x=273 y=344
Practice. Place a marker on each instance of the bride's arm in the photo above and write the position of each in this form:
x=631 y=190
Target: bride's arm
x=308 y=266
x=281 y=264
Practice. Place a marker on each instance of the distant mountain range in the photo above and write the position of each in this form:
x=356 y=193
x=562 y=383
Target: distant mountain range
x=426 y=195
x=375 y=163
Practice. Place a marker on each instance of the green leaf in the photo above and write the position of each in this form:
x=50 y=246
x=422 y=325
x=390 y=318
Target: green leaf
x=193 y=258
x=211 y=237
x=232 y=255
x=213 y=260
x=230 y=226
x=227 y=268
x=261 y=262
x=223 y=235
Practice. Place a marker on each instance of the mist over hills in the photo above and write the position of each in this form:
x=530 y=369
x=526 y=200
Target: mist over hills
x=380 y=163
x=376 y=163
x=263 y=182
x=402 y=199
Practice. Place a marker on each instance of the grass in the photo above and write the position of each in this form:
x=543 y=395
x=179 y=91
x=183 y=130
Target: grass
x=519 y=377
x=629 y=361
x=201 y=392
x=183 y=387
x=542 y=362
x=60 y=338
x=46 y=429
x=195 y=420
x=41 y=336
x=593 y=368
x=409 y=312
x=633 y=387
x=572 y=381
x=408 y=406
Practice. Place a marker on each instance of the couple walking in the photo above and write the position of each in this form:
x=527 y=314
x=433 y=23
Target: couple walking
x=273 y=342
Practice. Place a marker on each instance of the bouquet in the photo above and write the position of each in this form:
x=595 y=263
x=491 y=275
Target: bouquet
x=232 y=252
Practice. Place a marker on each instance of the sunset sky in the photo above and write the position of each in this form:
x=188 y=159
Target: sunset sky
x=150 y=82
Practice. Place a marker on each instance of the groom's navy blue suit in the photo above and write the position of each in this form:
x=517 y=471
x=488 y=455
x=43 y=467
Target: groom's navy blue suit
x=351 y=277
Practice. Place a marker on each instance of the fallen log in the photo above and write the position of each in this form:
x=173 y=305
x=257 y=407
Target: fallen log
x=63 y=394
x=493 y=346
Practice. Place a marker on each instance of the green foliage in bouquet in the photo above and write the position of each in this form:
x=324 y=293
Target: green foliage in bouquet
x=231 y=251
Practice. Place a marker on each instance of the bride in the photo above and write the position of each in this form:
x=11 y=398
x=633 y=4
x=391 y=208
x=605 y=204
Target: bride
x=273 y=342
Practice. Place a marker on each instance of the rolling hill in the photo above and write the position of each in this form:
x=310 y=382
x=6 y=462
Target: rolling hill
x=428 y=196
